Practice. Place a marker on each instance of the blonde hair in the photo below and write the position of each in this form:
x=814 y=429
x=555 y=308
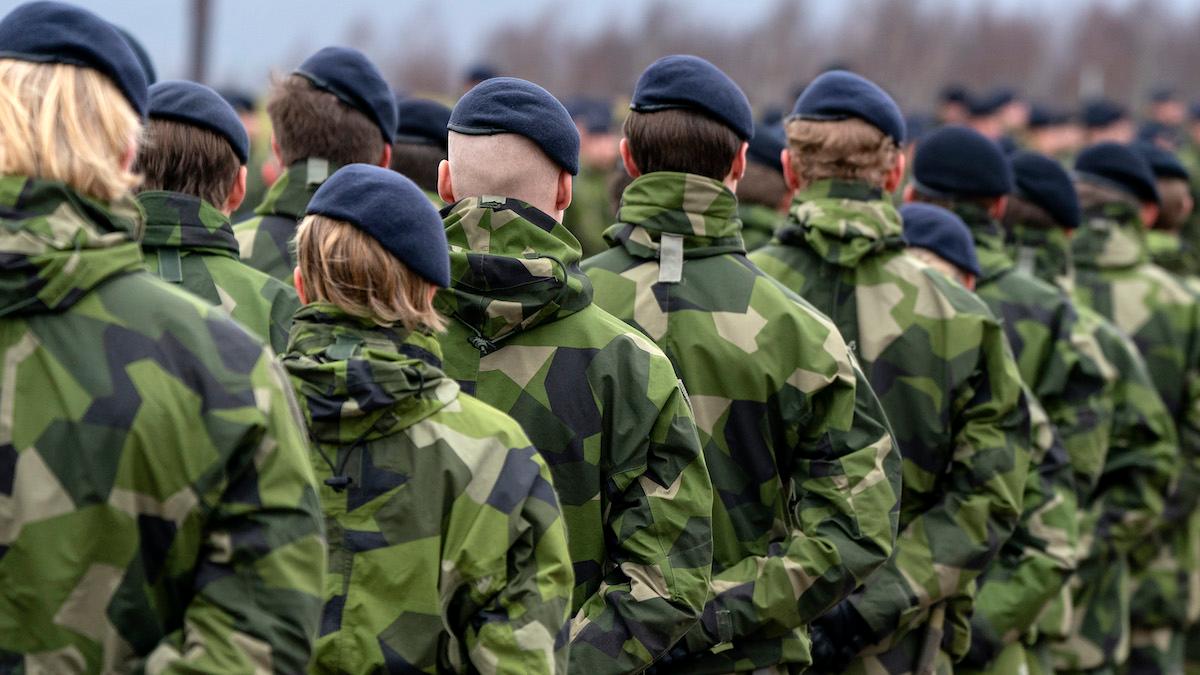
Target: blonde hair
x=341 y=264
x=68 y=124
x=849 y=149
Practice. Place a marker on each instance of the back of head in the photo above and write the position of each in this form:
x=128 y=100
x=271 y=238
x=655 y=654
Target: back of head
x=309 y=122
x=1114 y=172
x=421 y=139
x=764 y=183
x=507 y=165
x=844 y=127
x=943 y=233
x=374 y=246
x=956 y=163
x=1043 y=194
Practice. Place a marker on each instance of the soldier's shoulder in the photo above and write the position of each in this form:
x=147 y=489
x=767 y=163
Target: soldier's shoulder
x=478 y=419
x=1171 y=288
x=613 y=259
x=938 y=295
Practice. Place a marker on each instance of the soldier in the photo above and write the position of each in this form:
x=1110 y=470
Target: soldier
x=1052 y=132
x=335 y=109
x=1118 y=196
x=939 y=238
x=157 y=510
x=987 y=112
x=590 y=213
x=193 y=165
x=450 y=551
x=1173 y=181
x=797 y=445
x=420 y=144
x=953 y=104
x=936 y=357
x=763 y=196
x=600 y=401
x=1106 y=121
x=1166 y=108
x=1121 y=499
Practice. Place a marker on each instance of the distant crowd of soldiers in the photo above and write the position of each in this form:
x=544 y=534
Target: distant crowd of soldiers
x=499 y=388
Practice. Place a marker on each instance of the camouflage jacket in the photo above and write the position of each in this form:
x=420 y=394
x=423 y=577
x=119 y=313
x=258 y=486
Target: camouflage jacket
x=1155 y=308
x=589 y=213
x=266 y=239
x=939 y=362
x=801 y=457
x=157 y=509
x=447 y=549
x=604 y=407
x=1166 y=250
x=189 y=242
x=758 y=224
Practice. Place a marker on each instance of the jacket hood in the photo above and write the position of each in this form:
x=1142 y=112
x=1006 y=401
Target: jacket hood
x=175 y=220
x=358 y=381
x=700 y=213
x=1111 y=237
x=988 y=235
x=843 y=222
x=512 y=268
x=1044 y=253
x=57 y=245
x=290 y=194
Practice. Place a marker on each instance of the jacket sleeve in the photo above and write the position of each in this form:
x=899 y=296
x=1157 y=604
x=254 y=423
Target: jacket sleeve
x=1037 y=560
x=258 y=583
x=283 y=308
x=943 y=550
x=518 y=612
x=843 y=487
x=658 y=515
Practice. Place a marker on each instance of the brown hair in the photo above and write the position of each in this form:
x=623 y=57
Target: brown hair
x=66 y=123
x=1026 y=213
x=341 y=264
x=850 y=150
x=1177 y=203
x=762 y=185
x=681 y=140
x=183 y=158
x=309 y=122
x=1092 y=195
x=419 y=161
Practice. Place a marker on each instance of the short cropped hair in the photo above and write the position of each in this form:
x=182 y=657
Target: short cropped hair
x=179 y=157
x=681 y=140
x=1177 y=203
x=341 y=264
x=850 y=150
x=1027 y=214
x=419 y=161
x=66 y=123
x=309 y=122
x=1093 y=195
x=762 y=185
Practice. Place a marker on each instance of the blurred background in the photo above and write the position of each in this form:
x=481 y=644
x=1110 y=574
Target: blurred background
x=1059 y=51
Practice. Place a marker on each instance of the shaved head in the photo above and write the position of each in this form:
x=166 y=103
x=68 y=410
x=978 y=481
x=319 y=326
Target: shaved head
x=505 y=165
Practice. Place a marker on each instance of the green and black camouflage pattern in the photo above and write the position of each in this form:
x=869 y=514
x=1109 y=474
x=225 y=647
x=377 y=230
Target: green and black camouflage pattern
x=590 y=212
x=939 y=362
x=758 y=224
x=805 y=470
x=447 y=548
x=605 y=408
x=188 y=242
x=1162 y=316
x=267 y=240
x=157 y=509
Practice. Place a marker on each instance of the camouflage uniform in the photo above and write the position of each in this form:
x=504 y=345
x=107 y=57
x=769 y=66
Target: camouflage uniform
x=189 y=242
x=266 y=240
x=589 y=213
x=604 y=407
x=1063 y=367
x=1114 y=277
x=1166 y=251
x=157 y=509
x=447 y=549
x=799 y=450
x=1122 y=499
x=758 y=224
x=939 y=362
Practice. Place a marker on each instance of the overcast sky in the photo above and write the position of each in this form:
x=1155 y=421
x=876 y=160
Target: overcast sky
x=250 y=37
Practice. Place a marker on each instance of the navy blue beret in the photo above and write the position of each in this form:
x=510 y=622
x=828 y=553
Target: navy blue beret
x=508 y=105
x=991 y=102
x=55 y=32
x=941 y=231
x=917 y=125
x=838 y=95
x=954 y=93
x=242 y=101
x=593 y=114
x=766 y=146
x=1120 y=167
x=1163 y=163
x=349 y=75
x=481 y=71
x=1162 y=94
x=956 y=161
x=422 y=121
x=392 y=210
x=142 y=55
x=199 y=106
x=1041 y=116
x=1101 y=112
x=1044 y=183
x=1154 y=132
x=690 y=82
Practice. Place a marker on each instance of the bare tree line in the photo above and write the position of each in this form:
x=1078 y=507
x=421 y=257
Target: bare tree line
x=913 y=47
